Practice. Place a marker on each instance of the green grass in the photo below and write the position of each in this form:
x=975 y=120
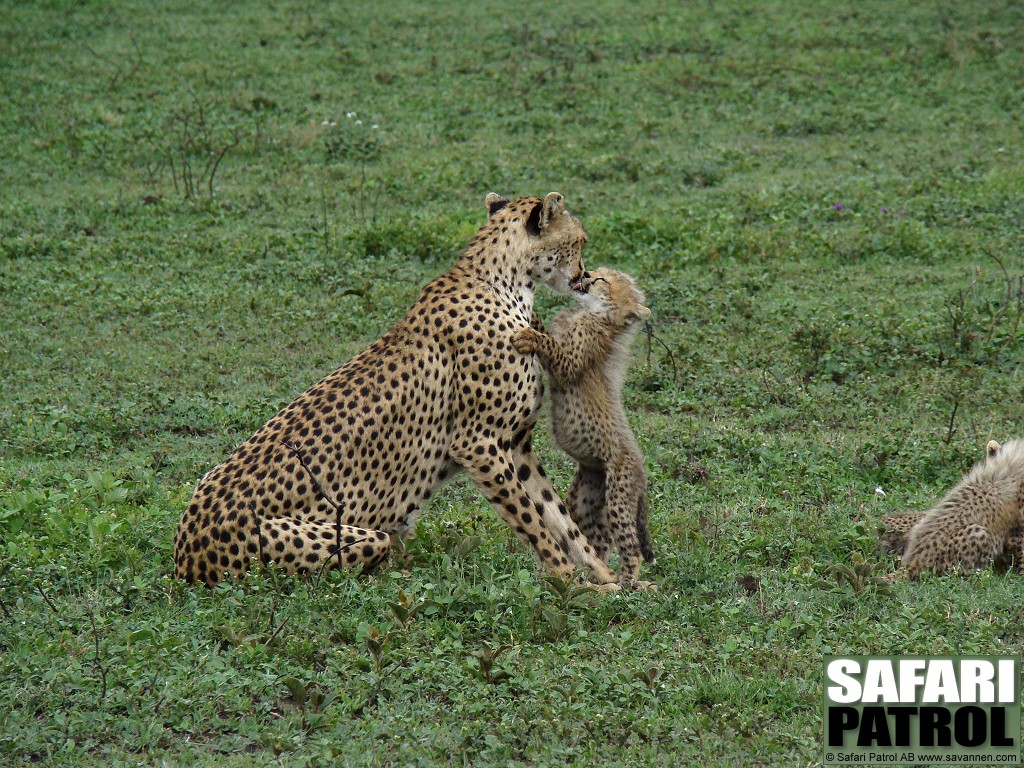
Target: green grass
x=823 y=205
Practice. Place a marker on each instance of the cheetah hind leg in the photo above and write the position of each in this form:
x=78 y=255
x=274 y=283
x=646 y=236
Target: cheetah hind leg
x=585 y=502
x=643 y=532
x=974 y=547
x=305 y=546
x=1014 y=550
x=621 y=497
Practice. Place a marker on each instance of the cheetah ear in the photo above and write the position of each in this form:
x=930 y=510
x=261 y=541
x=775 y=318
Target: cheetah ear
x=641 y=313
x=494 y=203
x=533 y=220
x=992 y=449
x=554 y=204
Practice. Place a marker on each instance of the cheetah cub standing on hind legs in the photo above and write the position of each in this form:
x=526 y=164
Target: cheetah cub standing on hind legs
x=978 y=521
x=586 y=356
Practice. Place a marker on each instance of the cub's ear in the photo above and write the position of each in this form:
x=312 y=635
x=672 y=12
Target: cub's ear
x=554 y=204
x=494 y=203
x=641 y=313
x=992 y=449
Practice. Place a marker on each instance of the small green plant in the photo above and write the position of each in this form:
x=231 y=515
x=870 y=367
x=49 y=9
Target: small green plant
x=311 y=700
x=195 y=147
x=23 y=509
x=860 y=575
x=984 y=317
x=457 y=545
x=351 y=139
x=554 y=602
x=406 y=608
x=485 y=663
x=377 y=646
x=102 y=490
x=355 y=144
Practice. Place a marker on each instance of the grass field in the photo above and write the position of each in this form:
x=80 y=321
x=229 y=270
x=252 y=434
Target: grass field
x=205 y=208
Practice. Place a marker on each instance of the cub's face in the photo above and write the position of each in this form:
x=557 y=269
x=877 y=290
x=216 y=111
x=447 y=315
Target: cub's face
x=613 y=295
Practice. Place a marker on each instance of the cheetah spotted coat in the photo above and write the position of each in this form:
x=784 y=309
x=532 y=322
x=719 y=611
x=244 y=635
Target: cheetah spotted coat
x=344 y=467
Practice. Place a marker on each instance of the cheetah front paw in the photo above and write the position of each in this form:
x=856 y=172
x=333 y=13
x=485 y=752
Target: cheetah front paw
x=527 y=340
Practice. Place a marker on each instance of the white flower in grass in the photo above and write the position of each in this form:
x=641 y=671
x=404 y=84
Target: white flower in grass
x=879 y=492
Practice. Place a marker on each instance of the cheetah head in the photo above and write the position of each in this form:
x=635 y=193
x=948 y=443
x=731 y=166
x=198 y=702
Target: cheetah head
x=556 y=239
x=614 y=295
x=553 y=238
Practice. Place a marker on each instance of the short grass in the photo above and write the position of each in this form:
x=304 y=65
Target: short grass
x=207 y=207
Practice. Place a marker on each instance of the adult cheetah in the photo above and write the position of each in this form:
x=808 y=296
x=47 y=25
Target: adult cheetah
x=586 y=356
x=978 y=521
x=329 y=479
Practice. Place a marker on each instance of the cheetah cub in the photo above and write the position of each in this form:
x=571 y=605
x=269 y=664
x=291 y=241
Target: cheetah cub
x=978 y=521
x=586 y=356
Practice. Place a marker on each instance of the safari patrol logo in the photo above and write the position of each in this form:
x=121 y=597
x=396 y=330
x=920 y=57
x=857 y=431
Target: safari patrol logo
x=906 y=710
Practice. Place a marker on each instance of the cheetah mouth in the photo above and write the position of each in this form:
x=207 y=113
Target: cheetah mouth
x=579 y=285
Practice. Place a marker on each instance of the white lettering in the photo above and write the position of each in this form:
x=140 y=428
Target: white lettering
x=910 y=679
x=976 y=681
x=848 y=689
x=940 y=680
x=1007 y=680
x=879 y=682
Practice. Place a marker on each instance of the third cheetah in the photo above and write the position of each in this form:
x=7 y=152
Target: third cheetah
x=975 y=522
